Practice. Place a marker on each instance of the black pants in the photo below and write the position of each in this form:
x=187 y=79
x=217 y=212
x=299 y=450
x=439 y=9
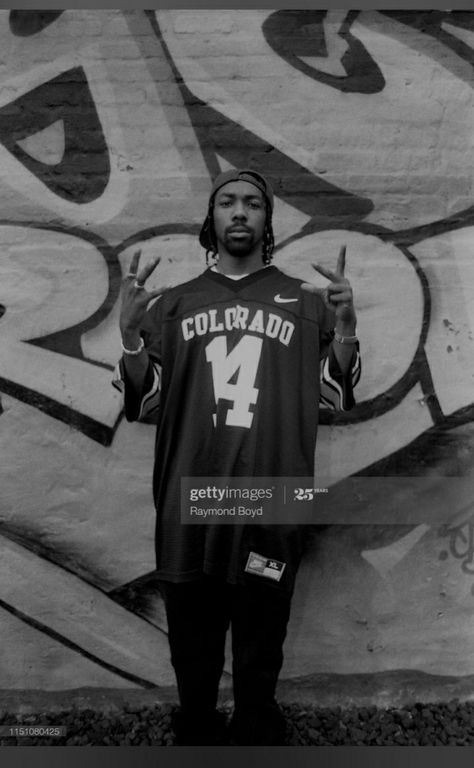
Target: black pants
x=199 y=614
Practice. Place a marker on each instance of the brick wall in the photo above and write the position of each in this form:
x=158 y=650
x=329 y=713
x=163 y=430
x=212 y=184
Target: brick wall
x=111 y=126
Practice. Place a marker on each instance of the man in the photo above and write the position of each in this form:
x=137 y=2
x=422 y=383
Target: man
x=232 y=365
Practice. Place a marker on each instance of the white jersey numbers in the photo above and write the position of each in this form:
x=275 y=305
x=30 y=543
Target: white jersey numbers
x=241 y=365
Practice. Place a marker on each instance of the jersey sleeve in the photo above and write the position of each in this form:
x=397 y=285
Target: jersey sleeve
x=336 y=388
x=144 y=406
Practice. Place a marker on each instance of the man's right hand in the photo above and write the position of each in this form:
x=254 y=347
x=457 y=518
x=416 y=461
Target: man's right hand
x=135 y=299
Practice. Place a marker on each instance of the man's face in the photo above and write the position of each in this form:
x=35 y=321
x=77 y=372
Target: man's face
x=239 y=218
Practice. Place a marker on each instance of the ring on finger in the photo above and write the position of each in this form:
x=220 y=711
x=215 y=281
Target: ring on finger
x=138 y=285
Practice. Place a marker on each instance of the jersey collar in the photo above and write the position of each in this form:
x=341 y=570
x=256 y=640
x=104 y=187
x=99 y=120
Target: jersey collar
x=237 y=285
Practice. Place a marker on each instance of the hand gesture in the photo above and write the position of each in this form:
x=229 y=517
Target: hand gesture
x=337 y=296
x=135 y=298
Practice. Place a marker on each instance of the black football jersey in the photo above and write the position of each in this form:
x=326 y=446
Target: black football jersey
x=236 y=367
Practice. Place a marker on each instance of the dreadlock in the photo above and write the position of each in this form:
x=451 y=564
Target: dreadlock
x=268 y=239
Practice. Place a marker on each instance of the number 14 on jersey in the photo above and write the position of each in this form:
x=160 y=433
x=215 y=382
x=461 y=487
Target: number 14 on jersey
x=239 y=365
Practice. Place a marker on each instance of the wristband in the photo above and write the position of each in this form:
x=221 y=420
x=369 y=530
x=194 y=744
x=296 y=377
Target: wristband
x=345 y=339
x=136 y=351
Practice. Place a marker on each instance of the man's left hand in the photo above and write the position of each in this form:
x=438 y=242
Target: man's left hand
x=337 y=296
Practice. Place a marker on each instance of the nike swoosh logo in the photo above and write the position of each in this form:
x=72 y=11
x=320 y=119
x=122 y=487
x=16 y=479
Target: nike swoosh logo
x=280 y=300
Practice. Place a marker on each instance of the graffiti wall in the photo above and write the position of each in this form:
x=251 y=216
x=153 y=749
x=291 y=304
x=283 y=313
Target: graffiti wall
x=112 y=124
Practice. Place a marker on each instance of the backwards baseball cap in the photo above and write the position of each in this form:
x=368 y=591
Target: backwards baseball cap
x=206 y=236
x=246 y=174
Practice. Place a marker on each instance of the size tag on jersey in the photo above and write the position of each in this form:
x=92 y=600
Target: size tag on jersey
x=264 y=566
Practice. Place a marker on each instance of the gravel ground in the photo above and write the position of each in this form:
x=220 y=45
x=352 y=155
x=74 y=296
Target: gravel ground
x=450 y=723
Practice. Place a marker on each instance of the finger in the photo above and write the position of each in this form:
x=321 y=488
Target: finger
x=146 y=271
x=340 y=298
x=339 y=292
x=341 y=260
x=158 y=291
x=339 y=287
x=325 y=272
x=311 y=288
x=132 y=270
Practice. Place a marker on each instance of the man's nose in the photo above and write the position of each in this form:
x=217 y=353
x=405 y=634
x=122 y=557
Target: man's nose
x=239 y=211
